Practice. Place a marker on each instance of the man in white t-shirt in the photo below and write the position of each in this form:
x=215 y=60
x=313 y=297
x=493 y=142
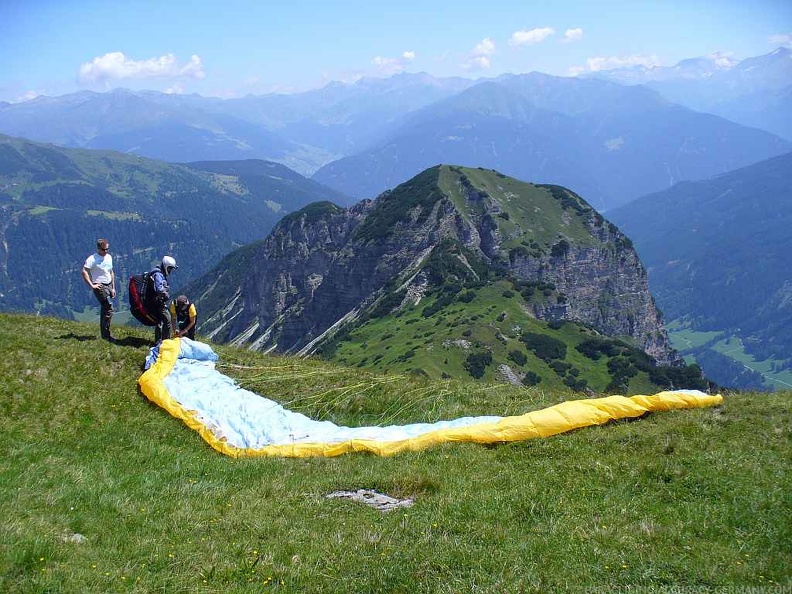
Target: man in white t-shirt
x=98 y=274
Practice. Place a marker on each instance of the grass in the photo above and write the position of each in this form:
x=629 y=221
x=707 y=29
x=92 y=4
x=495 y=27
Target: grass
x=100 y=491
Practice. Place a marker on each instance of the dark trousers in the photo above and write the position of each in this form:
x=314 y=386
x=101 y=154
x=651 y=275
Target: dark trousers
x=102 y=295
x=162 y=331
x=191 y=331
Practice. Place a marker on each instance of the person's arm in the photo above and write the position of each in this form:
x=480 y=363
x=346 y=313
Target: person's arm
x=160 y=285
x=193 y=316
x=87 y=278
x=112 y=284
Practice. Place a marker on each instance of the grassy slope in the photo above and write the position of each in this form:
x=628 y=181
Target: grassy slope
x=532 y=209
x=687 y=498
x=491 y=319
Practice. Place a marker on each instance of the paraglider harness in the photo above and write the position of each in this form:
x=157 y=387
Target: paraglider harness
x=141 y=297
x=144 y=303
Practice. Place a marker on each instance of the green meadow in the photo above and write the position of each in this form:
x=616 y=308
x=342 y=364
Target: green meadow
x=684 y=339
x=101 y=491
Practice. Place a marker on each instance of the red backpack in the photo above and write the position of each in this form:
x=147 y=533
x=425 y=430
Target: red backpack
x=140 y=289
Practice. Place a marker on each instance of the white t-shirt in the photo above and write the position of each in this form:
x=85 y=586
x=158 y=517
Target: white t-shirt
x=100 y=268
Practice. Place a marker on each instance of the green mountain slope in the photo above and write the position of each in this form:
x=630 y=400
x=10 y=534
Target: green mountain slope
x=718 y=255
x=102 y=492
x=55 y=203
x=484 y=332
x=458 y=272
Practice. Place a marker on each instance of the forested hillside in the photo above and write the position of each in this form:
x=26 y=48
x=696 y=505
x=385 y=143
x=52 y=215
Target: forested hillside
x=55 y=203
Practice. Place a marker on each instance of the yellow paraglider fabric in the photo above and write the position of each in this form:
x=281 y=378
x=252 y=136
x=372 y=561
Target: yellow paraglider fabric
x=560 y=418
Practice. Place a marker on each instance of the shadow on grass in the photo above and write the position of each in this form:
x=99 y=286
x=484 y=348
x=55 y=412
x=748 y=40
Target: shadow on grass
x=133 y=341
x=78 y=337
x=128 y=341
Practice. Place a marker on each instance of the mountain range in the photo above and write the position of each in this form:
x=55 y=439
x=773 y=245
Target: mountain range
x=691 y=162
x=755 y=92
x=607 y=141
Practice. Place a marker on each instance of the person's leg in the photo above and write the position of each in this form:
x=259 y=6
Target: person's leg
x=105 y=311
x=164 y=317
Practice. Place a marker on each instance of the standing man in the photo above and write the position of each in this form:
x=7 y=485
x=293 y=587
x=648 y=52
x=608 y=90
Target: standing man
x=159 y=276
x=183 y=317
x=98 y=274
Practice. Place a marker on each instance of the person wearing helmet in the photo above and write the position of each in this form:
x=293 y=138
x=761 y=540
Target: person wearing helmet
x=159 y=276
x=183 y=317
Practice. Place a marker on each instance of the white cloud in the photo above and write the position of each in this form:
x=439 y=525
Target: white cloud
x=781 y=40
x=116 y=66
x=485 y=48
x=722 y=60
x=530 y=37
x=390 y=66
x=612 y=62
x=479 y=57
x=572 y=35
x=27 y=96
x=477 y=63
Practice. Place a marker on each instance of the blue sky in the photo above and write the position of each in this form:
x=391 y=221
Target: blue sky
x=236 y=47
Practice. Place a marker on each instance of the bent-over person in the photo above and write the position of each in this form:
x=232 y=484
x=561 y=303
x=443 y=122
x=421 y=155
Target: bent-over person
x=184 y=317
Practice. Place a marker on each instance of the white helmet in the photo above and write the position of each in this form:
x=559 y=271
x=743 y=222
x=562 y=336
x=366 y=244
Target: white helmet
x=168 y=264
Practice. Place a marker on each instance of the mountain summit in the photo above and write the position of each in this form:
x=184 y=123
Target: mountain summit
x=444 y=237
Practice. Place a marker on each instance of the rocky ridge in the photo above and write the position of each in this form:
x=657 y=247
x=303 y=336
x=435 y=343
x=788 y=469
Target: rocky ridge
x=325 y=268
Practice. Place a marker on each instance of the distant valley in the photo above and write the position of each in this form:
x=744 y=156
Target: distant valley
x=718 y=253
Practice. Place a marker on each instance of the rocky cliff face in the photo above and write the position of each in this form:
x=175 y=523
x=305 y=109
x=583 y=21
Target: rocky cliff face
x=323 y=267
